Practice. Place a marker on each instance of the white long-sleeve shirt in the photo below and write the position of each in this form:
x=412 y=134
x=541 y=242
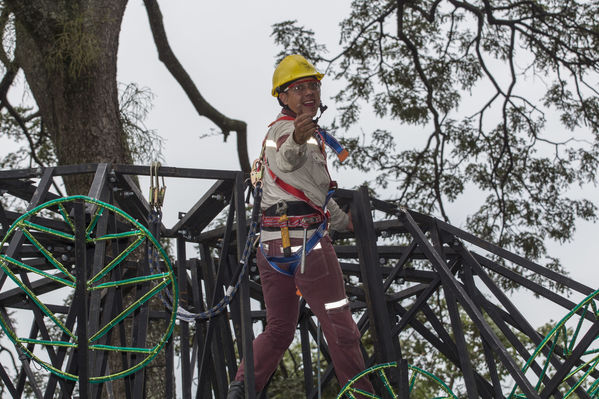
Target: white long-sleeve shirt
x=301 y=166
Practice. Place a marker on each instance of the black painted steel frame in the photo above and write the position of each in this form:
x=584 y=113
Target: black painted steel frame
x=392 y=296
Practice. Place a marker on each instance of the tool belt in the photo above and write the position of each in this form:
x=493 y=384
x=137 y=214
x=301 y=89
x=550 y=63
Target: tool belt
x=299 y=216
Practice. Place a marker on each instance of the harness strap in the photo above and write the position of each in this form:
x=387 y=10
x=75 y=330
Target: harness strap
x=282 y=118
x=293 y=261
x=333 y=144
x=288 y=188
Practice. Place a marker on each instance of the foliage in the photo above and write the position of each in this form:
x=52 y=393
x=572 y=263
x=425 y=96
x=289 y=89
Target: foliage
x=24 y=128
x=76 y=47
x=23 y=124
x=484 y=85
x=288 y=380
x=135 y=104
x=419 y=352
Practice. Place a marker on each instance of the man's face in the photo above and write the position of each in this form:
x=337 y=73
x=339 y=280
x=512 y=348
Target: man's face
x=302 y=96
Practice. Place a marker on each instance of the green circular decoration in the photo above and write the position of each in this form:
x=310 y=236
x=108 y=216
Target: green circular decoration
x=560 y=342
x=416 y=376
x=116 y=284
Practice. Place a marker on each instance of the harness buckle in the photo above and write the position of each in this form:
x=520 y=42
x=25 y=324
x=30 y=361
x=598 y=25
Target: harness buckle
x=256 y=172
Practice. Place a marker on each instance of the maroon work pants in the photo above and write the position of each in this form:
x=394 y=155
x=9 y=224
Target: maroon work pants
x=321 y=284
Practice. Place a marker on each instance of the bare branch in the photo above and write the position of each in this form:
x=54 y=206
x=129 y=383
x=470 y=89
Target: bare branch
x=203 y=107
x=17 y=117
x=429 y=101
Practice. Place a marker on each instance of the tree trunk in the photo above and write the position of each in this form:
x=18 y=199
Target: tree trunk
x=68 y=52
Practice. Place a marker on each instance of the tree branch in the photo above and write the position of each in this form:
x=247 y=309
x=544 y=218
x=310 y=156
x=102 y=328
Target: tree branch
x=17 y=117
x=166 y=55
x=429 y=102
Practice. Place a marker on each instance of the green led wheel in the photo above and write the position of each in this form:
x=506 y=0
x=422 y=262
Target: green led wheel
x=415 y=377
x=559 y=344
x=119 y=288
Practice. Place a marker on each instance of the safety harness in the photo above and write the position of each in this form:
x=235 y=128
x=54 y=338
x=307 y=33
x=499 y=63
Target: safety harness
x=321 y=214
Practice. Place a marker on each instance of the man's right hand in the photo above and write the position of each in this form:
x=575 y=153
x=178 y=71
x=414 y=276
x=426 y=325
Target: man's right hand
x=304 y=128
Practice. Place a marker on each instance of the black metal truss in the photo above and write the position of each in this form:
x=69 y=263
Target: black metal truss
x=394 y=288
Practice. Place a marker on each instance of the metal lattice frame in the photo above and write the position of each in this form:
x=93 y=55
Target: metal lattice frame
x=389 y=295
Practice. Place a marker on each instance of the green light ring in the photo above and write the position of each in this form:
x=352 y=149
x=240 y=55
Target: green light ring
x=173 y=283
x=347 y=388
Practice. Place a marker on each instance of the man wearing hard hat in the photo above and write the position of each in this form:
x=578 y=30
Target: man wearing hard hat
x=296 y=256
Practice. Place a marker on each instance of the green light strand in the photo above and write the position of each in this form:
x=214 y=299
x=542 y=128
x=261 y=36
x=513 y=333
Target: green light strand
x=364 y=393
x=92 y=223
x=594 y=389
x=547 y=361
x=582 y=366
x=559 y=326
x=45 y=229
x=34 y=298
x=581 y=380
x=47 y=343
x=128 y=310
x=111 y=348
x=578 y=326
x=386 y=383
x=412 y=381
x=133 y=280
x=433 y=377
x=116 y=260
x=347 y=390
x=48 y=255
x=116 y=235
x=66 y=218
x=37 y=271
x=48 y=366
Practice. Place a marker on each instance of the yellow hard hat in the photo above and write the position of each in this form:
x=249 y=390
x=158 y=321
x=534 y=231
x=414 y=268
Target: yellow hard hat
x=292 y=68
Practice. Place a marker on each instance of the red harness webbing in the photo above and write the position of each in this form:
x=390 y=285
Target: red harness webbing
x=292 y=221
x=283 y=118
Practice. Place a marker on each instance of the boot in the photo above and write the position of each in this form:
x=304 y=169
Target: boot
x=236 y=390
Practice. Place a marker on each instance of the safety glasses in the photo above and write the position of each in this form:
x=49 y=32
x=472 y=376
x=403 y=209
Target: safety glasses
x=303 y=85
